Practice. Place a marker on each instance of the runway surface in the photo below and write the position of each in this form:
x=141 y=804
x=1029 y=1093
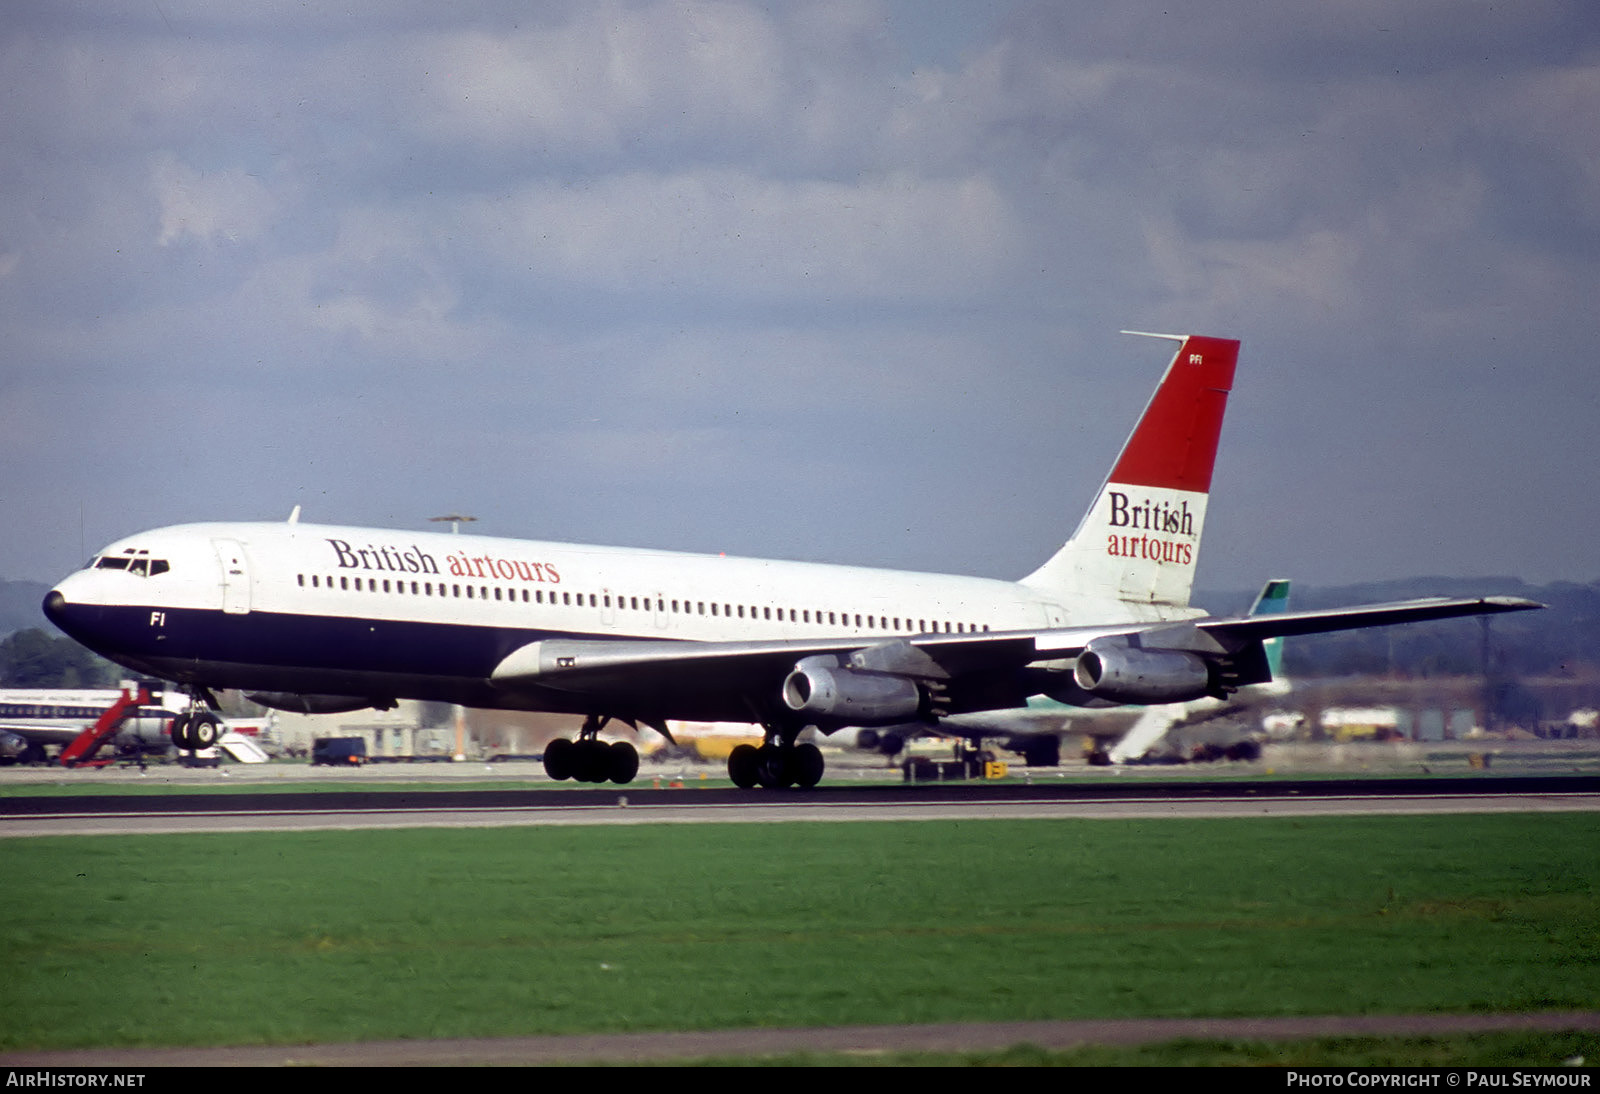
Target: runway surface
x=251 y=810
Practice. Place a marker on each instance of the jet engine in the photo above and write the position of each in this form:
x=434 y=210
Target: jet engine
x=1125 y=674
x=819 y=688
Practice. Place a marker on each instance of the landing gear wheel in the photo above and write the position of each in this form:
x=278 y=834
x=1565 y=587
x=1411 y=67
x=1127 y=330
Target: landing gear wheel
x=806 y=765
x=558 y=759
x=591 y=761
x=180 y=734
x=203 y=731
x=624 y=762
x=742 y=764
x=772 y=767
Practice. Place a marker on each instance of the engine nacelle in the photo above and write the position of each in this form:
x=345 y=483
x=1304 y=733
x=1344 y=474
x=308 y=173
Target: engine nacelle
x=819 y=688
x=1124 y=674
x=316 y=704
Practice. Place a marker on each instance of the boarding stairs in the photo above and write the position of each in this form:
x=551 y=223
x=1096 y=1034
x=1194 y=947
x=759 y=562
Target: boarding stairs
x=81 y=752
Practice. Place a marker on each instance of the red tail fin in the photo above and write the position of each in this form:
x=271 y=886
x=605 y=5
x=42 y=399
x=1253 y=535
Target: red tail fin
x=1141 y=537
x=1175 y=443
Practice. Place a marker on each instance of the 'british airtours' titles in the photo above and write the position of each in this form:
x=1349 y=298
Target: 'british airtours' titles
x=414 y=560
x=1151 y=516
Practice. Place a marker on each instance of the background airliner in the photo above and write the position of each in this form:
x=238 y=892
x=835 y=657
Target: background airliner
x=329 y=618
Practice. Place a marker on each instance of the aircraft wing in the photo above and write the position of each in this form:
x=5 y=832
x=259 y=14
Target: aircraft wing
x=985 y=670
x=580 y=665
x=1324 y=621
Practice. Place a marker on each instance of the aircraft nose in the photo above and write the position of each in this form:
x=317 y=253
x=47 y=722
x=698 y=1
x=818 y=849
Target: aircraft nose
x=69 y=617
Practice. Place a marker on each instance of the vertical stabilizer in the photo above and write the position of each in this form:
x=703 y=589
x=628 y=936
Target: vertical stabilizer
x=1140 y=539
x=1274 y=600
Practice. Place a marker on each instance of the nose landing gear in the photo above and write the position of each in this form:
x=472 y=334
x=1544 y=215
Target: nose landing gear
x=198 y=728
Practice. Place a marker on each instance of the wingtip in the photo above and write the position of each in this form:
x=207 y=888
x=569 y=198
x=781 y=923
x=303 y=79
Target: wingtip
x=1513 y=603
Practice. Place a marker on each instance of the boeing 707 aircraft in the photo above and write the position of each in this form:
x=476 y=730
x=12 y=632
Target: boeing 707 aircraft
x=325 y=618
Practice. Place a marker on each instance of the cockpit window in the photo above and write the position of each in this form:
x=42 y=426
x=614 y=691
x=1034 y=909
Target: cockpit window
x=138 y=562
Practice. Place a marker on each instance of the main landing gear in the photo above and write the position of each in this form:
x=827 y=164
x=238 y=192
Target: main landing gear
x=589 y=760
x=776 y=764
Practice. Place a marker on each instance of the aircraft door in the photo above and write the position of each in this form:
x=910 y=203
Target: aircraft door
x=235 y=576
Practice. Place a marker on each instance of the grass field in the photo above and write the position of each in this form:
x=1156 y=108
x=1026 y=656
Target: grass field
x=333 y=936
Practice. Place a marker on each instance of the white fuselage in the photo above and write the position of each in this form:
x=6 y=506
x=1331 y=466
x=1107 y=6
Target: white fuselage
x=308 y=608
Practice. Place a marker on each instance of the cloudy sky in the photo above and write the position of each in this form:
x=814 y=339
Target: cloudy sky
x=836 y=280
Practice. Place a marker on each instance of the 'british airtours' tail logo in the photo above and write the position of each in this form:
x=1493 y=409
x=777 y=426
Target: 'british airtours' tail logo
x=1132 y=521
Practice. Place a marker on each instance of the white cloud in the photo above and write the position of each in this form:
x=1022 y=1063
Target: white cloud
x=615 y=74
x=226 y=206
x=735 y=234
